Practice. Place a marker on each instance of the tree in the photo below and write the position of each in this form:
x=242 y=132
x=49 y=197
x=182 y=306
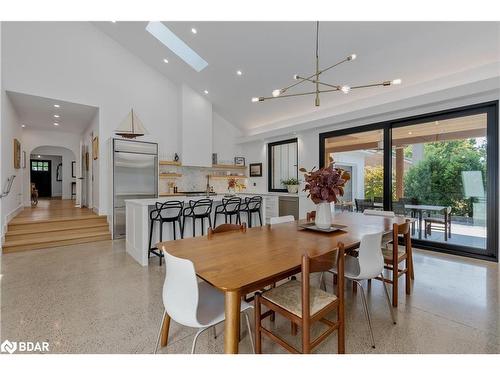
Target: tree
x=437 y=179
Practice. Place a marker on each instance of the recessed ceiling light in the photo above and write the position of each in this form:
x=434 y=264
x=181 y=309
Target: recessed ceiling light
x=410 y=133
x=56 y=116
x=23 y=126
x=57 y=105
x=165 y=61
x=113 y=21
x=56 y=124
x=39 y=156
x=176 y=45
x=239 y=72
x=206 y=92
x=193 y=30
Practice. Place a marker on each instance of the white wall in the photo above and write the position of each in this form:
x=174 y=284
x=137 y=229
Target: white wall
x=49 y=142
x=10 y=129
x=224 y=144
x=93 y=172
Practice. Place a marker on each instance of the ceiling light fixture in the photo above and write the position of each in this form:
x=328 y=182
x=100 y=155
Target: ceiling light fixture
x=56 y=124
x=57 y=116
x=320 y=87
x=239 y=72
x=194 y=31
x=23 y=126
x=39 y=156
x=206 y=92
x=165 y=61
x=113 y=21
x=57 y=106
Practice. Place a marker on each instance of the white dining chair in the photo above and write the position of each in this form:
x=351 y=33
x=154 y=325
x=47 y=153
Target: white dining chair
x=193 y=303
x=386 y=238
x=368 y=265
x=379 y=213
x=281 y=219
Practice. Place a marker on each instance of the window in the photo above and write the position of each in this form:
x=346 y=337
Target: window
x=441 y=169
x=40 y=166
x=282 y=163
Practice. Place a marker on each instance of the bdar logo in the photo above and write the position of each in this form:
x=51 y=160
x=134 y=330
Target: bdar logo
x=8 y=346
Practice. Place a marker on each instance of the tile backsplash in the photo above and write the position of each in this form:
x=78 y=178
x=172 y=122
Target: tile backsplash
x=195 y=178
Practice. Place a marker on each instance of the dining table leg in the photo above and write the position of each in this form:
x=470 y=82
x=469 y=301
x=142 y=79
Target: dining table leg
x=232 y=322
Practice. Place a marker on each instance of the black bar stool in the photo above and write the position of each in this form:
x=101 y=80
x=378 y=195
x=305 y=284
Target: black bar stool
x=250 y=206
x=168 y=212
x=229 y=207
x=200 y=209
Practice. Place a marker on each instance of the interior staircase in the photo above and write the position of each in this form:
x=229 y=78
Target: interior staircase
x=26 y=234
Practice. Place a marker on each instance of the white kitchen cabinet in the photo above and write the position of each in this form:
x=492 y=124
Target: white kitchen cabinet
x=271 y=207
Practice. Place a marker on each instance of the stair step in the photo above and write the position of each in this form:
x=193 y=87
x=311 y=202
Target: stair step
x=22 y=229
x=43 y=242
x=35 y=234
x=60 y=223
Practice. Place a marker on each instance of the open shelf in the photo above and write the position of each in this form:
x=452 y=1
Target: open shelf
x=170 y=162
x=227 y=177
x=170 y=175
x=228 y=166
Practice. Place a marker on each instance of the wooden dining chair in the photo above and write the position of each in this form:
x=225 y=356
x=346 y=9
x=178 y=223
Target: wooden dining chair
x=226 y=228
x=394 y=256
x=304 y=304
x=311 y=216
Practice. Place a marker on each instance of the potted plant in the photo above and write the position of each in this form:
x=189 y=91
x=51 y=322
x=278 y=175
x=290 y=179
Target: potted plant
x=292 y=184
x=325 y=186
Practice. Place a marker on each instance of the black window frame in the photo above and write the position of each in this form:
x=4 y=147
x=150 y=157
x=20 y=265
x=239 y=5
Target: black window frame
x=491 y=109
x=269 y=162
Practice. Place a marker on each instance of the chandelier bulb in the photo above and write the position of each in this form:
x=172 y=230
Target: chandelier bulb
x=352 y=57
x=295 y=76
x=396 y=81
x=255 y=100
x=345 y=89
x=276 y=93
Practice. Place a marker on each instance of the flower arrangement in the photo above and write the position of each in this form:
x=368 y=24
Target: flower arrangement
x=234 y=184
x=325 y=184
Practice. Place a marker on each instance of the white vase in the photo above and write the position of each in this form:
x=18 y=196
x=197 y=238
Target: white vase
x=323 y=218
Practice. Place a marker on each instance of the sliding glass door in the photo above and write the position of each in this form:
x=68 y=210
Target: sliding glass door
x=440 y=169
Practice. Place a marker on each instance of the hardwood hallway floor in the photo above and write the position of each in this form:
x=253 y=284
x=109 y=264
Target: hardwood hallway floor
x=54 y=223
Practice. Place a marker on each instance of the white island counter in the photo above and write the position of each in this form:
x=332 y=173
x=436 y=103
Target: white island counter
x=137 y=222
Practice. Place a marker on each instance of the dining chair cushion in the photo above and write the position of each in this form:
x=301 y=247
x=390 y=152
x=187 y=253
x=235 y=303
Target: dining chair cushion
x=388 y=253
x=211 y=305
x=289 y=297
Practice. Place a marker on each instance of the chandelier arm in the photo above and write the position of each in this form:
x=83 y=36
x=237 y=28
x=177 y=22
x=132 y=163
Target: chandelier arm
x=321 y=83
x=262 y=98
x=385 y=83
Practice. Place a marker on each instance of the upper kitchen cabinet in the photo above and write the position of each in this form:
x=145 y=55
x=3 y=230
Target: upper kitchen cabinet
x=197 y=129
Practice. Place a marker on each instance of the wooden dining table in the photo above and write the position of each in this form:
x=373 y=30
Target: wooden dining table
x=238 y=263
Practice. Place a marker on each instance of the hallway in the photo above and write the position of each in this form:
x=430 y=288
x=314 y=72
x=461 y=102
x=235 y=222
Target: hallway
x=54 y=222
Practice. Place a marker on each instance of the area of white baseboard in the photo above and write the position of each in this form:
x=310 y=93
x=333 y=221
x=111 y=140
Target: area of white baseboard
x=8 y=218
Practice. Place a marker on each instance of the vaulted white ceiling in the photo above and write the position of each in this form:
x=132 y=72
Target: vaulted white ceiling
x=270 y=53
x=37 y=112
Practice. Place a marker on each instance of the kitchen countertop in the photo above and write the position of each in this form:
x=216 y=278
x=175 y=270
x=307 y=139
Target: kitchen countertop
x=185 y=198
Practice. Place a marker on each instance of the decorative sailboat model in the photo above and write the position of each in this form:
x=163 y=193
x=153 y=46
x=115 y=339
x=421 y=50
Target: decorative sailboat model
x=131 y=127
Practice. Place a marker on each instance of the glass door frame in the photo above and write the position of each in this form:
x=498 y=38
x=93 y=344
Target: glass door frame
x=491 y=109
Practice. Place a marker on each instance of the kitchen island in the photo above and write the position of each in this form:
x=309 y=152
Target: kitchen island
x=137 y=222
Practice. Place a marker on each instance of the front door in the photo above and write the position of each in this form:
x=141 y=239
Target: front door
x=41 y=177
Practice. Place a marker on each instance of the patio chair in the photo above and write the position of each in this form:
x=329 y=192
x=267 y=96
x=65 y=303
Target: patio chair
x=439 y=222
x=363 y=204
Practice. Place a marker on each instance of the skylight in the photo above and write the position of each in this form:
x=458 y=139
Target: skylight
x=176 y=45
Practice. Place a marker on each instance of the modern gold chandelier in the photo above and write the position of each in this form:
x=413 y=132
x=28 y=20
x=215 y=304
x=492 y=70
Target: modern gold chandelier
x=320 y=87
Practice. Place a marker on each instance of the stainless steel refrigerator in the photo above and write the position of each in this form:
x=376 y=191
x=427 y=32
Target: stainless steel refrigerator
x=135 y=176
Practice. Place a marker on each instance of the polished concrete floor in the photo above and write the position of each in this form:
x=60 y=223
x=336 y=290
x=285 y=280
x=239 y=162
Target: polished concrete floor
x=93 y=298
